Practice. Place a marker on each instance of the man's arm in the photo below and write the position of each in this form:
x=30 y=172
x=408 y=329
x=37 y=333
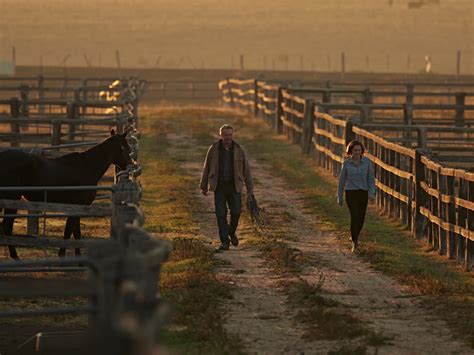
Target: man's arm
x=205 y=173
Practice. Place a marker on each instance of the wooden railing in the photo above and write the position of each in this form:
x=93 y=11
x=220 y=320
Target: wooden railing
x=122 y=271
x=434 y=201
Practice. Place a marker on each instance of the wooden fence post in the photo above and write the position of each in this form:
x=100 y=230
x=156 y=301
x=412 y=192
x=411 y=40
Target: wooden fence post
x=279 y=111
x=25 y=106
x=77 y=99
x=461 y=220
x=41 y=94
x=84 y=90
x=230 y=93
x=126 y=195
x=72 y=113
x=348 y=132
x=364 y=114
x=56 y=132
x=421 y=137
x=419 y=221
x=255 y=98
x=15 y=126
x=407 y=121
x=368 y=100
x=410 y=88
x=441 y=212
x=308 y=127
x=469 y=249
x=451 y=217
x=460 y=107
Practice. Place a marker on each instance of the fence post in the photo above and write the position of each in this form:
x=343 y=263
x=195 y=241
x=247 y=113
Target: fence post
x=348 y=132
x=25 y=106
x=469 y=249
x=368 y=100
x=72 y=113
x=410 y=93
x=32 y=223
x=41 y=94
x=84 y=90
x=77 y=99
x=451 y=217
x=15 y=126
x=460 y=104
x=279 y=111
x=308 y=128
x=421 y=137
x=126 y=195
x=364 y=114
x=56 y=132
x=419 y=221
x=255 y=98
x=230 y=93
x=407 y=121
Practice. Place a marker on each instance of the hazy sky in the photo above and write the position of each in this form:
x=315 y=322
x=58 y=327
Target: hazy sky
x=374 y=34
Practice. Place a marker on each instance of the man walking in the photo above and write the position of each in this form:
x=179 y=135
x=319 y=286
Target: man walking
x=226 y=169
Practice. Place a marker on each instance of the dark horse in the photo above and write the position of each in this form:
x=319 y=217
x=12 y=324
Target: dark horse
x=18 y=168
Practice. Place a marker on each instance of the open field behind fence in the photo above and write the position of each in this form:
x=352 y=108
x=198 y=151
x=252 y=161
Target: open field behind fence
x=417 y=157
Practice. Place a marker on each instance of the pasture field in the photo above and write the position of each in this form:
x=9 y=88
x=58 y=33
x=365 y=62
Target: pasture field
x=213 y=34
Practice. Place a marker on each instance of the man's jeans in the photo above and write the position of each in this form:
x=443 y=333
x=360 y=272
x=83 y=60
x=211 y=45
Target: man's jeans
x=225 y=196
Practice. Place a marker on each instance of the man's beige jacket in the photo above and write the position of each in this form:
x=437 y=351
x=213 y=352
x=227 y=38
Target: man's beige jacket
x=210 y=173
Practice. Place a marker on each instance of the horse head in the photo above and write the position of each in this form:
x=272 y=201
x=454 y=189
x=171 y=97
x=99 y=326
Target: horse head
x=121 y=156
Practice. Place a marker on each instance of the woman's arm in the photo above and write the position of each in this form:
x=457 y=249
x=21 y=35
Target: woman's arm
x=342 y=184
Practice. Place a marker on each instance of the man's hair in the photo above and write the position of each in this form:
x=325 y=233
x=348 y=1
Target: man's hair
x=226 y=126
x=351 y=146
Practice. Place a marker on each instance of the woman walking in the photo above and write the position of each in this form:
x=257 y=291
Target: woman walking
x=358 y=181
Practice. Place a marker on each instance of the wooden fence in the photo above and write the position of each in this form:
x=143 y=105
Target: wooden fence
x=434 y=201
x=122 y=272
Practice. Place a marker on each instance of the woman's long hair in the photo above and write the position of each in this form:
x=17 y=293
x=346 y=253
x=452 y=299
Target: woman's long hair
x=350 y=147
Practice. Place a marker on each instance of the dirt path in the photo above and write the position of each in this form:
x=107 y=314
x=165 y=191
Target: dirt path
x=259 y=313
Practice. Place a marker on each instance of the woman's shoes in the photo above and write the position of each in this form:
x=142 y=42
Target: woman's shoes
x=355 y=247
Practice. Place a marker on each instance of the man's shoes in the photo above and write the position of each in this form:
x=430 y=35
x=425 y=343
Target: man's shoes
x=223 y=247
x=234 y=240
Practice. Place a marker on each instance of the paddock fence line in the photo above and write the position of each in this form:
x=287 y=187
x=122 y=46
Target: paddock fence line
x=414 y=185
x=122 y=272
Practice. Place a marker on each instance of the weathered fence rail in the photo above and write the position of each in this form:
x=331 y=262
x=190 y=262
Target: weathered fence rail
x=436 y=202
x=122 y=272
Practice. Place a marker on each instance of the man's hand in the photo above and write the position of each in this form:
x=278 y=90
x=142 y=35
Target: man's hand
x=372 y=199
x=204 y=192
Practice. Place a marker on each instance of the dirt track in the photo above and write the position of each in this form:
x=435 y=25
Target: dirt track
x=260 y=314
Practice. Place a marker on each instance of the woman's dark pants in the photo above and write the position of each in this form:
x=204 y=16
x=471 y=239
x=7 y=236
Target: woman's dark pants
x=225 y=196
x=357 y=203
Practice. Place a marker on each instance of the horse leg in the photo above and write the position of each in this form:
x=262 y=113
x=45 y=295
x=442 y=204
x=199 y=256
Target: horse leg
x=77 y=234
x=8 y=230
x=67 y=235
